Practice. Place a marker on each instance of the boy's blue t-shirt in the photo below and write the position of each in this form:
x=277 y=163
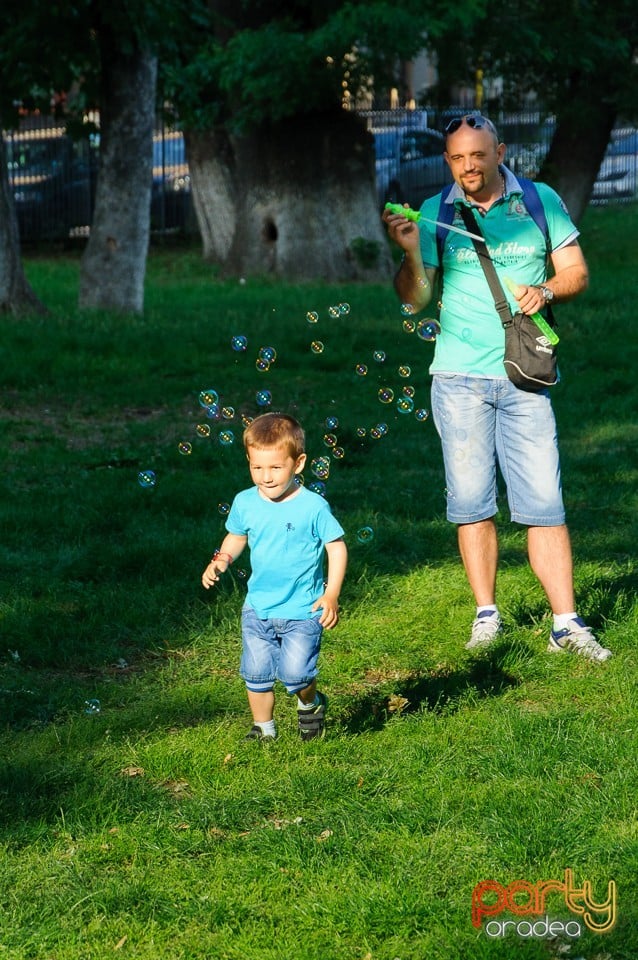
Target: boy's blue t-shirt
x=472 y=339
x=286 y=543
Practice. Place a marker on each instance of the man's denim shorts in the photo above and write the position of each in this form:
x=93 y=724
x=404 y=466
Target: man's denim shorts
x=285 y=650
x=483 y=423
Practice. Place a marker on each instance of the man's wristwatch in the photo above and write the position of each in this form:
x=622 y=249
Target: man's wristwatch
x=546 y=293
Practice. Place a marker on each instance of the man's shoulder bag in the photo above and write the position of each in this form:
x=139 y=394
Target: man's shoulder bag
x=530 y=356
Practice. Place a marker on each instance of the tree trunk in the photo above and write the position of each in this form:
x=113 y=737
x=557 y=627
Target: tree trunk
x=295 y=200
x=114 y=262
x=16 y=295
x=578 y=146
x=211 y=168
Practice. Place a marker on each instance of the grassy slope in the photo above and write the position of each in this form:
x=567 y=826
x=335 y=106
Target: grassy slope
x=153 y=821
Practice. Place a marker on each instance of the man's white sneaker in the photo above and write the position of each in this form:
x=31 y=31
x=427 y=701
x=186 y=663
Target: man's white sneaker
x=485 y=631
x=577 y=638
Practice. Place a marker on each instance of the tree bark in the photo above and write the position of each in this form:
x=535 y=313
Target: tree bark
x=577 y=149
x=295 y=200
x=113 y=266
x=16 y=295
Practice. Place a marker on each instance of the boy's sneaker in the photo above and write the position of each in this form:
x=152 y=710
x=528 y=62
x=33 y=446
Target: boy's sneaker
x=577 y=638
x=256 y=733
x=312 y=721
x=486 y=629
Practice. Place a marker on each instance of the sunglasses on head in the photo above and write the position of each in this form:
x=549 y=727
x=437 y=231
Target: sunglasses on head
x=476 y=122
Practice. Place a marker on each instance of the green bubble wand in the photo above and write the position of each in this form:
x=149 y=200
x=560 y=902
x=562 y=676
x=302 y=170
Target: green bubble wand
x=538 y=319
x=416 y=215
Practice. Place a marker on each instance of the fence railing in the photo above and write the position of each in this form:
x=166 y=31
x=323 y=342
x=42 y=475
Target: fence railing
x=53 y=178
x=53 y=175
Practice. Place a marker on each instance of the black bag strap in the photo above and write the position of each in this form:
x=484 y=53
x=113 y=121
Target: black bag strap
x=500 y=300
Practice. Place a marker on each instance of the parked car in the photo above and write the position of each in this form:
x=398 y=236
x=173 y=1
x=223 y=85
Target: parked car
x=409 y=164
x=53 y=181
x=171 y=193
x=618 y=174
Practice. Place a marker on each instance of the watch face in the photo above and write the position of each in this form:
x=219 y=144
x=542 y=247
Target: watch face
x=547 y=293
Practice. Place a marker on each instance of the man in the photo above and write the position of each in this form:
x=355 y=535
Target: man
x=481 y=417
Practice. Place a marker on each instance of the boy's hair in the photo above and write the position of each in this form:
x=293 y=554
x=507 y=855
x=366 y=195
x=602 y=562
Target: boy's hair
x=275 y=430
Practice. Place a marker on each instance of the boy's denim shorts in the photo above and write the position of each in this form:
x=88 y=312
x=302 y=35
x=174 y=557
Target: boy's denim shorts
x=483 y=423
x=285 y=650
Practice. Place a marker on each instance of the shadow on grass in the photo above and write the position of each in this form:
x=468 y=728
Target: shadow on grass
x=442 y=691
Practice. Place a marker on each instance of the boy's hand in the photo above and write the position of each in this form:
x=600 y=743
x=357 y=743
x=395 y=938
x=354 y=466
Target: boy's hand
x=330 y=614
x=211 y=574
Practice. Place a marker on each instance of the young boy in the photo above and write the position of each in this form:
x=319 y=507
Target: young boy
x=287 y=528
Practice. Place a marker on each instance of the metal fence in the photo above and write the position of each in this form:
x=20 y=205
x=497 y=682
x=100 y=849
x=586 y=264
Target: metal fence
x=408 y=144
x=53 y=175
x=53 y=178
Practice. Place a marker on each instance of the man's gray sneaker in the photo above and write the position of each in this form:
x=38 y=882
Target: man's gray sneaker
x=485 y=631
x=577 y=638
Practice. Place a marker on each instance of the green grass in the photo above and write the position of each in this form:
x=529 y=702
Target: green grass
x=152 y=830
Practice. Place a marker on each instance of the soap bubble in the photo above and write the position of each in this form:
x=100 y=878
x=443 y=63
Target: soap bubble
x=379 y=355
x=404 y=371
x=214 y=411
x=312 y=316
x=246 y=419
x=378 y=430
x=407 y=309
x=207 y=398
x=226 y=438
x=361 y=431
x=239 y=343
x=269 y=354
x=223 y=508
x=228 y=413
x=316 y=346
x=318 y=486
x=338 y=453
x=332 y=423
x=365 y=535
x=92 y=707
x=202 y=430
x=344 y=309
x=320 y=467
x=262 y=365
x=241 y=574
x=263 y=398
x=361 y=369
x=146 y=478
x=409 y=326
x=386 y=394
x=428 y=329
x=405 y=404
x=422 y=414
x=466 y=333
x=334 y=311
x=330 y=439
x=185 y=447
x=408 y=390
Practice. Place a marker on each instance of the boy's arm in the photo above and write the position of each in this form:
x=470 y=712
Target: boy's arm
x=337 y=562
x=230 y=549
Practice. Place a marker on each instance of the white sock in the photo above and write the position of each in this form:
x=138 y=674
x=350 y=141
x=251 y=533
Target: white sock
x=491 y=610
x=561 y=620
x=267 y=727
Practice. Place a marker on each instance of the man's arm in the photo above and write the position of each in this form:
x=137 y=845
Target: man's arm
x=414 y=283
x=570 y=278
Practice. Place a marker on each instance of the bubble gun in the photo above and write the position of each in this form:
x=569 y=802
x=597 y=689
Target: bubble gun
x=416 y=216
x=538 y=319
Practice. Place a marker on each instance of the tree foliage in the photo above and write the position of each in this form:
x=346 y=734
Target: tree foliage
x=264 y=62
